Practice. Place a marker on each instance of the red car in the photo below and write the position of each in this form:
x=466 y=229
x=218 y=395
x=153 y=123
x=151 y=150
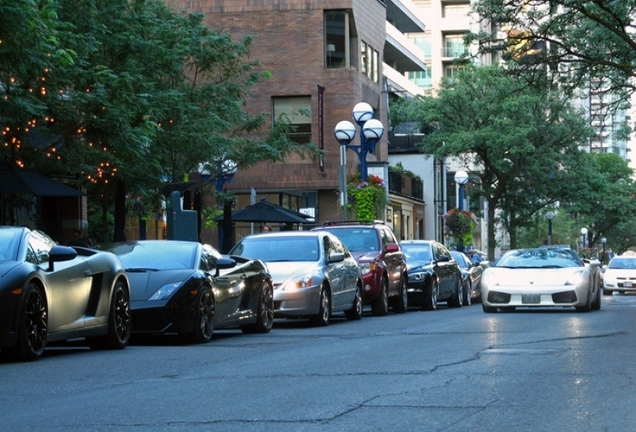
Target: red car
x=381 y=261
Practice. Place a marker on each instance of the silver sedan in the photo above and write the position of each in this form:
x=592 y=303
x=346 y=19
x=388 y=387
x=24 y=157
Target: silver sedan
x=542 y=277
x=314 y=274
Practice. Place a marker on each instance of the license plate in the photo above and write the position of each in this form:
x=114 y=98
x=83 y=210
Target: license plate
x=530 y=298
x=627 y=284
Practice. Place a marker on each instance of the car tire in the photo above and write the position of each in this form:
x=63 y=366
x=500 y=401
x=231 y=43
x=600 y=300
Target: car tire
x=355 y=313
x=203 y=317
x=380 y=307
x=607 y=292
x=430 y=297
x=32 y=328
x=468 y=300
x=119 y=322
x=488 y=309
x=401 y=301
x=265 y=313
x=458 y=299
x=321 y=319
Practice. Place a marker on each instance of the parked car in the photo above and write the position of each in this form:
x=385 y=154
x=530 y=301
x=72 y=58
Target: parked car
x=541 y=277
x=620 y=275
x=471 y=276
x=190 y=289
x=433 y=275
x=381 y=260
x=53 y=293
x=314 y=274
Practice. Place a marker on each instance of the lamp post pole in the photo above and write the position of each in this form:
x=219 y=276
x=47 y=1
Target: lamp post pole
x=461 y=178
x=604 y=243
x=584 y=235
x=225 y=172
x=549 y=216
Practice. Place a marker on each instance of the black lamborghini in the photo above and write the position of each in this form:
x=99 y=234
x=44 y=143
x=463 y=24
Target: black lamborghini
x=188 y=288
x=54 y=293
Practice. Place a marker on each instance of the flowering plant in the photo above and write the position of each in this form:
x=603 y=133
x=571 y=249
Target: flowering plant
x=459 y=224
x=366 y=198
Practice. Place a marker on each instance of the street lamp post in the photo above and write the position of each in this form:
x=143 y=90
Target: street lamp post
x=584 y=235
x=604 y=243
x=549 y=216
x=226 y=169
x=461 y=178
x=372 y=130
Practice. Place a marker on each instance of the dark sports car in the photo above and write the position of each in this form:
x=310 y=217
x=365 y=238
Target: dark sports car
x=188 y=288
x=53 y=293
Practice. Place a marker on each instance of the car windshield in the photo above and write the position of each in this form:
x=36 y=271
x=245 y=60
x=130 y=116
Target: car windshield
x=357 y=239
x=622 y=263
x=156 y=255
x=274 y=248
x=9 y=242
x=415 y=253
x=458 y=257
x=540 y=258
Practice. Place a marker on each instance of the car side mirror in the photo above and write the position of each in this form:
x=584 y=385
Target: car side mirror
x=61 y=253
x=224 y=263
x=443 y=258
x=392 y=247
x=336 y=257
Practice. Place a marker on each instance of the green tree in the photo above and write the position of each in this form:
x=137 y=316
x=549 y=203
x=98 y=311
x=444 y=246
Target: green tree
x=583 y=41
x=523 y=142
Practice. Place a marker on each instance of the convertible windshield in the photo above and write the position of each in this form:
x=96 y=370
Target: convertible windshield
x=540 y=258
x=159 y=255
x=9 y=242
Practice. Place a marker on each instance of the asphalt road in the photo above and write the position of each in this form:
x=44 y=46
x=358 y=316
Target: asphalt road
x=447 y=370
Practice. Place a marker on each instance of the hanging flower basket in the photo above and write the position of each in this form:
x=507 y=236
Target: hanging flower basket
x=366 y=199
x=459 y=224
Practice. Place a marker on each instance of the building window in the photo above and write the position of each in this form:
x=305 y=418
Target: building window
x=454 y=46
x=455 y=10
x=339 y=37
x=450 y=71
x=369 y=62
x=296 y=110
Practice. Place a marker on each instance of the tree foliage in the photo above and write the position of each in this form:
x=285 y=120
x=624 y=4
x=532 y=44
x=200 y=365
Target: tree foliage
x=581 y=41
x=135 y=95
x=523 y=142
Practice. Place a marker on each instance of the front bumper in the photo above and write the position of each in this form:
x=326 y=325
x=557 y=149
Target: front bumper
x=296 y=303
x=546 y=296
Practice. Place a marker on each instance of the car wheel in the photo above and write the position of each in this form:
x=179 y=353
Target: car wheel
x=607 y=292
x=458 y=299
x=468 y=300
x=32 y=330
x=401 y=301
x=119 y=322
x=380 y=307
x=324 y=312
x=430 y=298
x=488 y=309
x=587 y=307
x=204 y=312
x=264 y=315
x=355 y=313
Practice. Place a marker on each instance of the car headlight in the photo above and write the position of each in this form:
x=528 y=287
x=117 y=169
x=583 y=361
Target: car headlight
x=367 y=267
x=417 y=276
x=165 y=291
x=299 y=282
x=576 y=279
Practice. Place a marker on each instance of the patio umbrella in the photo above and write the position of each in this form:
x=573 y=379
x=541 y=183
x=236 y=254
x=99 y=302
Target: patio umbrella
x=263 y=212
x=14 y=181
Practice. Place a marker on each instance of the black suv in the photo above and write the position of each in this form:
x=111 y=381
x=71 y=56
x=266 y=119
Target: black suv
x=381 y=261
